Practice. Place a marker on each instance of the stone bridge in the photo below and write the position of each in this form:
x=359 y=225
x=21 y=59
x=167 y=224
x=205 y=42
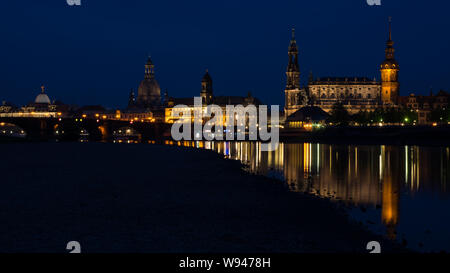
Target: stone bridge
x=72 y=129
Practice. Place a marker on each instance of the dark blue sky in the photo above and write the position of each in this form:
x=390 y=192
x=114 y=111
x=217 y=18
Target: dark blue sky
x=94 y=54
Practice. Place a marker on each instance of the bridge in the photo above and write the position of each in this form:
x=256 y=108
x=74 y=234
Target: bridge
x=72 y=129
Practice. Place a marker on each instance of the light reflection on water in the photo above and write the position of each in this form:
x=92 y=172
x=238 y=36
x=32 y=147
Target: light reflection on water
x=400 y=191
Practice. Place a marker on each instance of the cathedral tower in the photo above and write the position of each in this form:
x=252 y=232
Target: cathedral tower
x=293 y=69
x=207 y=90
x=390 y=86
x=292 y=90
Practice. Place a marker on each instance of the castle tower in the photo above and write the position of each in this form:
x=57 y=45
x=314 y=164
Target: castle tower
x=207 y=89
x=390 y=86
x=293 y=79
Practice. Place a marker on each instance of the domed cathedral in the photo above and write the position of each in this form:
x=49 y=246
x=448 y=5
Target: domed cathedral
x=42 y=98
x=149 y=92
x=295 y=96
x=390 y=86
x=42 y=103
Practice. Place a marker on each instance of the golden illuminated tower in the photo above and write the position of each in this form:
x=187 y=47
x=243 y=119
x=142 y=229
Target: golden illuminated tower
x=390 y=86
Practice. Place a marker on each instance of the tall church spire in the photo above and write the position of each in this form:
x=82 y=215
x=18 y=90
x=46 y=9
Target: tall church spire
x=292 y=93
x=390 y=86
x=390 y=44
x=390 y=28
x=293 y=69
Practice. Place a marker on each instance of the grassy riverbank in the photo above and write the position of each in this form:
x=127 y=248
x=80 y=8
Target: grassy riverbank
x=151 y=198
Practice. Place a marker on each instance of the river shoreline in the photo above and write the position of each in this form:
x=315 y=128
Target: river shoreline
x=375 y=135
x=154 y=198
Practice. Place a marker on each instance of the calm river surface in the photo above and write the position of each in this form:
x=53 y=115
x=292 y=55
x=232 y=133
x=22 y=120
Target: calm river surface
x=402 y=192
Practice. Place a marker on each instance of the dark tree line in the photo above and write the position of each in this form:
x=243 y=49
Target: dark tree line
x=340 y=116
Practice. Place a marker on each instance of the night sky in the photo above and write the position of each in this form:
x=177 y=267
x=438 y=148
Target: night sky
x=94 y=54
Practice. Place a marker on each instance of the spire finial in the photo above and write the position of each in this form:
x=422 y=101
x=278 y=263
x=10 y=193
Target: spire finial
x=293 y=33
x=390 y=28
x=42 y=89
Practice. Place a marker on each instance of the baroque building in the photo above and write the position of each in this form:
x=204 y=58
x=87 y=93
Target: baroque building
x=149 y=92
x=41 y=107
x=354 y=93
x=147 y=105
x=208 y=98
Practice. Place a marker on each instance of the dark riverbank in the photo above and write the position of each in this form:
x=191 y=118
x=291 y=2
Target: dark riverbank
x=151 y=198
x=386 y=135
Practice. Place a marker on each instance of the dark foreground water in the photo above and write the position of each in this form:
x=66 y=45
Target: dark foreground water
x=402 y=192
x=158 y=199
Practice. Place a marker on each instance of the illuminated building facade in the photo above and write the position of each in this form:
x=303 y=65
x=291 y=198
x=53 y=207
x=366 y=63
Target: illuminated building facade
x=354 y=93
x=208 y=98
x=147 y=105
x=41 y=107
x=424 y=105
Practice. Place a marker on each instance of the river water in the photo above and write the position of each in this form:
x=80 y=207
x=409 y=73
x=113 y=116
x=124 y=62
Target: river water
x=402 y=192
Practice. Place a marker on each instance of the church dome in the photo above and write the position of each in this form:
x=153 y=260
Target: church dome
x=149 y=92
x=42 y=98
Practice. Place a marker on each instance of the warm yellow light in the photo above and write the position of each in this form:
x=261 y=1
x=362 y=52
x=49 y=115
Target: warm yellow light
x=97 y=115
x=435 y=124
x=104 y=117
x=84 y=116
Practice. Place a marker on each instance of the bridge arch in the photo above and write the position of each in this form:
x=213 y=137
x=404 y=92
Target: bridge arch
x=12 y=130
x=127 y=134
